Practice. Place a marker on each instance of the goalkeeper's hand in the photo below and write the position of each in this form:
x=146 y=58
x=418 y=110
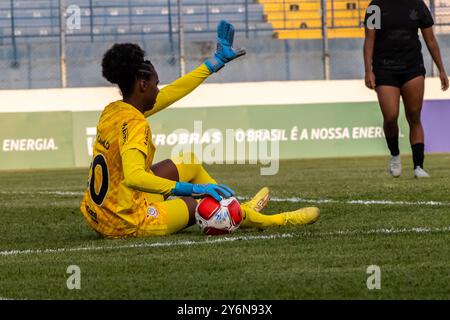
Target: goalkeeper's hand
x=218 y=192
x=225 y=52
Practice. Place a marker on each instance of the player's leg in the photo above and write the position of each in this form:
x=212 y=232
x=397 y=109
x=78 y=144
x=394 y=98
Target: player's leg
x=303 y=216
x=177 y=214
x=187 y=168
x=191 y=170
x=166 y=169
x=168 y=217
x=412 y=94
x=180 y=213
x=389 y=100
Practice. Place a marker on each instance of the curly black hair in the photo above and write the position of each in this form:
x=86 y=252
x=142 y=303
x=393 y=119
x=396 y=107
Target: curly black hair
x=123 y=64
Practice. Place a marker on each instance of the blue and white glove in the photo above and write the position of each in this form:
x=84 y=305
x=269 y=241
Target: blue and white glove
x=225 y=52
x=216 y=191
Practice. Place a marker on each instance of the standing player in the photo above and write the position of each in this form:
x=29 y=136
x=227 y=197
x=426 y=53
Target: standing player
x=127 y=193
x=394 y=67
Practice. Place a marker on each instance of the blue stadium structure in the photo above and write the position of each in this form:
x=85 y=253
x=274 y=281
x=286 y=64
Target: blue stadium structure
x=30 y=32
x=108 y=19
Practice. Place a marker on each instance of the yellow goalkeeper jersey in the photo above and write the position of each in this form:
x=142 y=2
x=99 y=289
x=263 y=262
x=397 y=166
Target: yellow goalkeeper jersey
x=109 y=205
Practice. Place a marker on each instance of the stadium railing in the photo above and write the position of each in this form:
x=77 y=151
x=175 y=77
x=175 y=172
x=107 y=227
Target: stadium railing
x=32 y=20
x=24 y=20
x=30 y=34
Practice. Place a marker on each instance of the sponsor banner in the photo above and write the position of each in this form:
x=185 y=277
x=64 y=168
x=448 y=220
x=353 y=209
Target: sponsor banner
x=302 y=131
x=215 y=135
x=36 y=140
x=84 y=134
x=436 y=124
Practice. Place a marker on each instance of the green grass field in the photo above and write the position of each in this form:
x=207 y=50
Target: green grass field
x=407 y=237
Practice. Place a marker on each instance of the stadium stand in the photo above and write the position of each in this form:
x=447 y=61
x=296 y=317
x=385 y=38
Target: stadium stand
x=106 y=19
x=442 y=16
x=302 y=19
x=31 y=20
x=281 y=36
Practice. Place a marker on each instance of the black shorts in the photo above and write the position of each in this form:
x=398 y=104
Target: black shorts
x=397 y=78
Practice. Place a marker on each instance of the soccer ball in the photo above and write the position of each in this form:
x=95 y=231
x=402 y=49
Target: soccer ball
x=215 y=218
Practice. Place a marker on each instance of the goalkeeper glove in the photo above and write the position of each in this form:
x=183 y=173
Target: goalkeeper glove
x=218 y=192
x=224 y=52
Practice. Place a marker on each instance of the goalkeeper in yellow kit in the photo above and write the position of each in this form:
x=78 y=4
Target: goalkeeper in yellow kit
x=126 y=194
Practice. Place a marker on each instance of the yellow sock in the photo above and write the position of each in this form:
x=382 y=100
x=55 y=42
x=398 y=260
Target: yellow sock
x=254 y=219
x=177 y=213
x=190 y=170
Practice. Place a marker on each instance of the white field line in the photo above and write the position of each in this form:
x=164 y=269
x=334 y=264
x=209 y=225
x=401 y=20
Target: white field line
x=365 y=202
x=148 y=245
x=219 y=240
x=385 y=231
x=55 y=193
x=292 y=199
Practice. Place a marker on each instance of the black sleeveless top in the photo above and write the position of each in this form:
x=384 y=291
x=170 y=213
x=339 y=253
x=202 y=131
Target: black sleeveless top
x=397 y=44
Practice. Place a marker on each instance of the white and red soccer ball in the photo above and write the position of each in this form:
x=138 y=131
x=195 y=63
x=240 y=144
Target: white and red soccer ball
x=216 y=218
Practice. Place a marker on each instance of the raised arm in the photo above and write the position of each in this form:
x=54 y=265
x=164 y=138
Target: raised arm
x=433 y=47
x=185 y=85
x=179 y=88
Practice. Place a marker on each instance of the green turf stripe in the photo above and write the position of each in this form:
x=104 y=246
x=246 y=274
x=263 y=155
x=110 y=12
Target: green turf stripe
x=218 y=240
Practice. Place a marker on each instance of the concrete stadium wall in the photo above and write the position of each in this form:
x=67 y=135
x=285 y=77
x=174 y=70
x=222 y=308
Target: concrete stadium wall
x=52 y=128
